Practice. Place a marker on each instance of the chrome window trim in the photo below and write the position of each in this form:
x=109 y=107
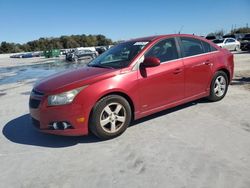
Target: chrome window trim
x=136 y=66
x=201 y=54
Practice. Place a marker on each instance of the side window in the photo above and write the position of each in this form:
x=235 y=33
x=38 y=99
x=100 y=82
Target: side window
x=164 y=50
x=191 y=46
x=207 y=47
x=213 y=49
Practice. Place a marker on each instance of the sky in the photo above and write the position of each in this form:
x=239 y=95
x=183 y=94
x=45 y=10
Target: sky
x=25 y=20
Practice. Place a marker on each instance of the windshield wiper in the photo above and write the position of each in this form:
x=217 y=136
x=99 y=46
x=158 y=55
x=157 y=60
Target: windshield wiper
x=100 y=66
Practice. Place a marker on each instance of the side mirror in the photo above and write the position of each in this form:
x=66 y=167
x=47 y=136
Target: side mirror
x=151 y=62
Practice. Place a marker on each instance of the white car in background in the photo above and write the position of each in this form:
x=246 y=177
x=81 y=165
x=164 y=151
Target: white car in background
x=228 y=43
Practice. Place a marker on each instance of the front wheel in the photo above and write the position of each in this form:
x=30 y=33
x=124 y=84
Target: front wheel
x=219 y=86
x=110 y=117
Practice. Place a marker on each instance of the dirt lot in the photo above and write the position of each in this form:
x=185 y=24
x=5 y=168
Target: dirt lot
x=199 y=144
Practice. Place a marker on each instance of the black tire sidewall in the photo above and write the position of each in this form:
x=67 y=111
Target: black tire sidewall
x=95 y=126
x=237 y=48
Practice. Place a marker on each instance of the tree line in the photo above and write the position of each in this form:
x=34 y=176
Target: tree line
x=222 y=32
x=75 y=41
x=62 y=42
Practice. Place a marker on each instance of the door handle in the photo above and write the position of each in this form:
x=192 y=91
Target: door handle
x=208 y=62
x=177 y=71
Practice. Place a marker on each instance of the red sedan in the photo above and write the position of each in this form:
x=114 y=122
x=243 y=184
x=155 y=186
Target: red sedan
x=131 y=80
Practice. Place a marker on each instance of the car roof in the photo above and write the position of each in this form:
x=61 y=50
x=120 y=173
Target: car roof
x=157 y=37
x=229 y=38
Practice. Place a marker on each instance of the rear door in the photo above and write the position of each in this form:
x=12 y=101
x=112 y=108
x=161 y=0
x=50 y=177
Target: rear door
x=197 y=65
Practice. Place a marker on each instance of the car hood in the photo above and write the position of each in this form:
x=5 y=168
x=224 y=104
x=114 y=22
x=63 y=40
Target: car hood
x=72 y=79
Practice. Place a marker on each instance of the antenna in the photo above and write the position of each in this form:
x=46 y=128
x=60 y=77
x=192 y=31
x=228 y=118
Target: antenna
x=180 y=29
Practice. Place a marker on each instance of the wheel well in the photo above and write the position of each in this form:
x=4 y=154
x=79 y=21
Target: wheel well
x=227 y=72
x=131 y=104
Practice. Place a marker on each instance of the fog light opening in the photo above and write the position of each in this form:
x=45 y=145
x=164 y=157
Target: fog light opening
x=62 y=125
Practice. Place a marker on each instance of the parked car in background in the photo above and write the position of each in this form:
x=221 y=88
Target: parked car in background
x=245 y=43
x=213 y=37
x=17 y=56
x=130 y=81
x=80 y=54
x=27 y=55
x=237 y=36
x=63 y=51
x=228 y=43
x=101 y=49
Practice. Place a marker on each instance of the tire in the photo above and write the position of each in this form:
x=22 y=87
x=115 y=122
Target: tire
x=110 y=117
x=218 y=87
x=237 y=48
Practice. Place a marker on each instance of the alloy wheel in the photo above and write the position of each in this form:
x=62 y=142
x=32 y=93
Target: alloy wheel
x=113 y=117
x=220 y=86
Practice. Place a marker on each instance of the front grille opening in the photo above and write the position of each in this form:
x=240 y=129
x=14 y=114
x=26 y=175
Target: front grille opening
x=35 y=92
x=34 y=103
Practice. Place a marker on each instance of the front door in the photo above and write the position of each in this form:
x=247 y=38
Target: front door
x=163 y=84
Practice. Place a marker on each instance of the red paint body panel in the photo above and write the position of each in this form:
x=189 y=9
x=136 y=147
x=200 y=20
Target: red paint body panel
x=198 y=74
x=150 y=89
x=161 y=85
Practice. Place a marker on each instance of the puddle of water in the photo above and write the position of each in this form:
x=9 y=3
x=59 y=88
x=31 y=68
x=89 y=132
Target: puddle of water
x=20 y=74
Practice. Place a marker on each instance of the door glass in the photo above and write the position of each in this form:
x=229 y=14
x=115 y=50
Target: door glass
x=191 y=47
x=164 y=50
x=206 y=46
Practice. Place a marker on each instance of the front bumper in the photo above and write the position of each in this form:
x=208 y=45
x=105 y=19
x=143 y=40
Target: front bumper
x=43 y=116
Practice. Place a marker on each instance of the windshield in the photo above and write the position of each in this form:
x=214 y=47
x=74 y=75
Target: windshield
x=119 y=56
x=217 y=41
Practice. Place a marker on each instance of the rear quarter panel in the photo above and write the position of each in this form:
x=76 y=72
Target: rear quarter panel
x=224 y=60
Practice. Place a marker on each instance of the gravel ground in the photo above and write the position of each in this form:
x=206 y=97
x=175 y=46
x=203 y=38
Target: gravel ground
x=199 y=144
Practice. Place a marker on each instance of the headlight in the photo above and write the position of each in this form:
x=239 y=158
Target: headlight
x=64 y=98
